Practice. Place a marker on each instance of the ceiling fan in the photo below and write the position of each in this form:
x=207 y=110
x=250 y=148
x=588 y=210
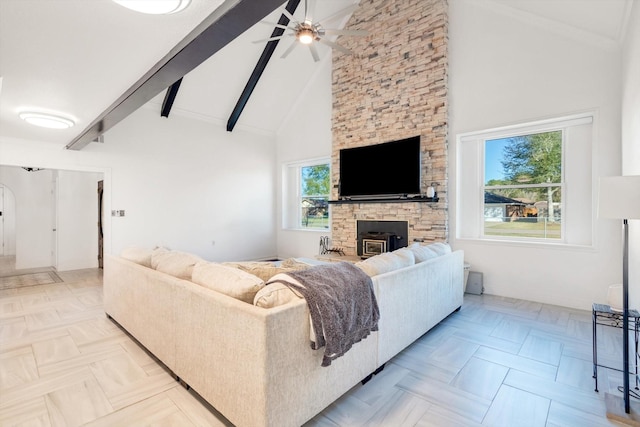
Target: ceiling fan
x=309 y=32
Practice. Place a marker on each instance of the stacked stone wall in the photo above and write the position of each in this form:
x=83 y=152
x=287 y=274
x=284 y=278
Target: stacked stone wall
x=393 y=87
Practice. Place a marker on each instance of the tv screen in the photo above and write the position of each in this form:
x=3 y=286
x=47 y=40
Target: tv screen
x=388 y=169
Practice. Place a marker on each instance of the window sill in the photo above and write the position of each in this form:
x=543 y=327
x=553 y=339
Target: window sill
x=525 y=244
x=314 y=230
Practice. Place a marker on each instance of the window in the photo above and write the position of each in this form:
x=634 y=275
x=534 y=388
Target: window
x=527 y=183
x=306 y=195
x=523 y=186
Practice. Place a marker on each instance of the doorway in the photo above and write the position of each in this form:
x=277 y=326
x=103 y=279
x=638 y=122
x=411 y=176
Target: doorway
x=100 y=230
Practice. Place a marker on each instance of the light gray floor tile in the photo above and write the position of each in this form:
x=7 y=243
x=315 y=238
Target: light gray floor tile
x=481 y=378
x=498 y=361
x=513 y=407
x=541 y=349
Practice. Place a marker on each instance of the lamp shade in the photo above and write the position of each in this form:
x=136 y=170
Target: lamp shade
x=619 y=197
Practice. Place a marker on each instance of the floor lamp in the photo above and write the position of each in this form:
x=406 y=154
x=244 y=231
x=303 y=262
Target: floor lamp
x=619 y=198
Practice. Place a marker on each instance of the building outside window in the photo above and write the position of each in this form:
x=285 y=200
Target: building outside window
x=523 y=183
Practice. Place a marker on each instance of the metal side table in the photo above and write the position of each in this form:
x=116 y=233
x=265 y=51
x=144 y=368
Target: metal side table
x=602 y=314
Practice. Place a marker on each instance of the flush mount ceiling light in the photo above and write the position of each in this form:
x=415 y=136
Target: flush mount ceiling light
x=46 y=120
x=155 y=7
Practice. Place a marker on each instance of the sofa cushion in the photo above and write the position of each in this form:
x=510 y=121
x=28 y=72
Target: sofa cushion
x=387 y=262
x=440 y=248
x=137 y=254
x=295 y=264
x=175 y=263
x=227 y=280
x=422 y=252
x=275 y=294
x=266 y=272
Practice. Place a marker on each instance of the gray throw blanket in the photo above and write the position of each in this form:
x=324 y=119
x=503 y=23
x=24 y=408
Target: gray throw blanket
x=342 y=304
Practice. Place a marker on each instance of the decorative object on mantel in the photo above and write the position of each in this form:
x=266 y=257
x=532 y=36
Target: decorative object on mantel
x=619 y=198
x=431 y=190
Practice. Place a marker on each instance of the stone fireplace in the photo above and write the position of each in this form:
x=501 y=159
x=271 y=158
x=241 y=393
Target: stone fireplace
x=375 y=237
x=393 y=87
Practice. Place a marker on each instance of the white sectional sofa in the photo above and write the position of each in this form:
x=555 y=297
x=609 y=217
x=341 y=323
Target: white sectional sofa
x=255 y=364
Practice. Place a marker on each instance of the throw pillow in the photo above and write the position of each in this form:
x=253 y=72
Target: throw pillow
x=175 y=263
x=275 y=294
x=227 y=280
x=138 y=255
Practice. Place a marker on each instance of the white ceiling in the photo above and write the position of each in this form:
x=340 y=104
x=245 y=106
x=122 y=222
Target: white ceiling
x=76 y=57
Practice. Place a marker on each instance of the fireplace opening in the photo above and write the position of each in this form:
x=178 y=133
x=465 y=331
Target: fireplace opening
x=376 y=237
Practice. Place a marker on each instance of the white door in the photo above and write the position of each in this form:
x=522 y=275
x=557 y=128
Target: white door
x=54 y=220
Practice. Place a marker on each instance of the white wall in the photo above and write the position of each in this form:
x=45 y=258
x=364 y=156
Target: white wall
x=183 y=183
x=631 y=138
x=306 y=134
x=508 y=70
x=75 y=207
x=77 y=220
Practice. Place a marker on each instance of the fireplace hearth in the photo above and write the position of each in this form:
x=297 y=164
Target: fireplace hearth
x=376 y=237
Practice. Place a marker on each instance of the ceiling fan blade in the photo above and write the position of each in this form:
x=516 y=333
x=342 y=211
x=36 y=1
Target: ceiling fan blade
x=336 y=32
x=314 y=52
x=342 y=12
x=270 y=39
x=289 y=49
x=336 y=46
x=309 y=8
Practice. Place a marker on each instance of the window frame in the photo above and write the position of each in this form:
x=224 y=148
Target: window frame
x=293 y=197
x=561 y=185
x=578 y=188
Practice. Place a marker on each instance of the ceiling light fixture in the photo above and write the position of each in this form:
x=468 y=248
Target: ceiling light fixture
x=155 y=7
x=305 y=33
x=46 y=120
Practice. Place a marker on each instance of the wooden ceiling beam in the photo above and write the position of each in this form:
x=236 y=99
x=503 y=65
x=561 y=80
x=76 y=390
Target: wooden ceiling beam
x=227 y=22
x=260 y=66
x=169 y=97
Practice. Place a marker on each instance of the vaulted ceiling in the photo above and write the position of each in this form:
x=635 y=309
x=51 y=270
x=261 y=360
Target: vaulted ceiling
x=78 y=57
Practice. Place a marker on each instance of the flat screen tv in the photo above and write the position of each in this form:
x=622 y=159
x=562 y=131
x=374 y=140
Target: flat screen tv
x=381 y=170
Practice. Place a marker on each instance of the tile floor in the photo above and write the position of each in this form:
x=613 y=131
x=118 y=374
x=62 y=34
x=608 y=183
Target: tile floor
x=497 y=362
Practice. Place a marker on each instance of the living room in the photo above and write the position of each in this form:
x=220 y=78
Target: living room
x=590 y=74
x=187 y=183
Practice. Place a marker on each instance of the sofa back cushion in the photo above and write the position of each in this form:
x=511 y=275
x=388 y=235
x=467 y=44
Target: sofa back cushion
x=440 y=248
x=424 y=252
x=138 y=255
x=175 y=263
x=266 y=270
x=387 y=262
x=227 y=280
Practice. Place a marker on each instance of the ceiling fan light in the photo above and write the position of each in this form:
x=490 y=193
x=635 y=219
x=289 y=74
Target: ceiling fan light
x=305 y=36
x=46 y=120
x=154 y=7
